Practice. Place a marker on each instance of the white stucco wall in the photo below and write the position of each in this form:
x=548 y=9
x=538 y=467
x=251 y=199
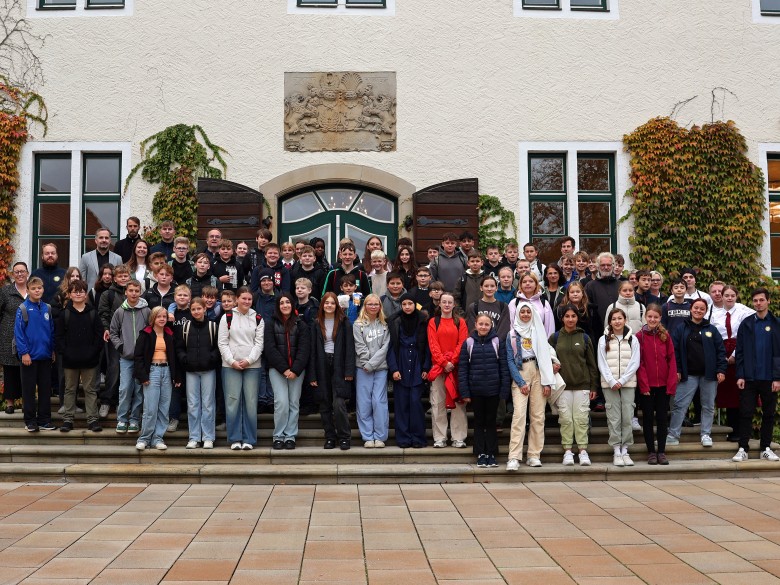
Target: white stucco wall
x=474 y=80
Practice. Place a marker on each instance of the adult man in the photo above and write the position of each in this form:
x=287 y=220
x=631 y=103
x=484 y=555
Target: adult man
x=758 y=374
x=91 y=262
x=124 y=247
x=49 y=272
x=165 y=245
x=213 y=238
x=603 y=291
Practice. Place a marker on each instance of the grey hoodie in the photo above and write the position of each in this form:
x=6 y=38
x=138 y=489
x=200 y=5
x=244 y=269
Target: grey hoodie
x=126 y=323
x=371 y=342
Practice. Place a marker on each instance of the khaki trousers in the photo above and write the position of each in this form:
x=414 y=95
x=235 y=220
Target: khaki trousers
x=89 y=380
x=458 y=423
x=531 y=376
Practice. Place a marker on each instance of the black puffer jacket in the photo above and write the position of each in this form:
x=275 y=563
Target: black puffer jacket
x=343 y=360
x=287 y=351
x=200 y=352
x=483 y=371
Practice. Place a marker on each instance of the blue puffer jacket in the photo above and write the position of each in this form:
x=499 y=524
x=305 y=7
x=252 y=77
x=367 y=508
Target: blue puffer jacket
x=483 y=373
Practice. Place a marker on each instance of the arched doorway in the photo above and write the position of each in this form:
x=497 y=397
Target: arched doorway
x=334 y=211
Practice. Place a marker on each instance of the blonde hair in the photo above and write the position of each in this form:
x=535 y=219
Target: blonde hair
x=529 y=275
x=156 y=311
x=363 y=318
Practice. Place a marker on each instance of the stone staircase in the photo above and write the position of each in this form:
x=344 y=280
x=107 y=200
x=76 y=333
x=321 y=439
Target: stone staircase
x=82 y=456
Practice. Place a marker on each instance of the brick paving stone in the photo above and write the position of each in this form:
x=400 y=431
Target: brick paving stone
x=719 y=562
x=392 y=559
x=64 y=568
x=265 y=578
x=641 y=554
x=520 y=557
x=752 y=578
x=754 y=550
x=129 y=577
x=278 y=560
x=21 y=556
x=190 y=570
x=146 y=559
x=332 y=570
x=473 y=568
x=592 y=566
x=536 y=575
x=402 y=577
x=671 y=574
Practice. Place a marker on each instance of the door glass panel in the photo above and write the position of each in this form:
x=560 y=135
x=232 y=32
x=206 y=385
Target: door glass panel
x=594 y=217
x=321 y=232
x=548 y=217
x=101 y=214
x=593 y=174
x=547 y=174
x=300 y=207
x=774 y=172
x=361 y=238
x=595 y=245
x=101 y=174
x=375 y=207
x=54 y=175
x=53 y=219
x=338 y=198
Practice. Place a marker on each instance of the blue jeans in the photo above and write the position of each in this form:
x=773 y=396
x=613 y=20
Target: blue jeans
x=683 y=398
x=265 y=393
x=372 y=414
x=240 y=388
x=157 y=400
x=130 y=397
x=287 y=398
x=201 y=405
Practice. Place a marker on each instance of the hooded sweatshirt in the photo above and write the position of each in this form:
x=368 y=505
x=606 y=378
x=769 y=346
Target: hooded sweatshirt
x=243 y=340
x=542 y=307
x=126 y=323
x=372 y=340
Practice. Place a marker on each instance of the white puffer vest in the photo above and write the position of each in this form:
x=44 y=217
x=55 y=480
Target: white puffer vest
x=618 y=356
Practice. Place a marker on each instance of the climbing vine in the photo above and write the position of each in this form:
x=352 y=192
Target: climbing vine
x=175 y=158
x=698 y=201
x=495 y=223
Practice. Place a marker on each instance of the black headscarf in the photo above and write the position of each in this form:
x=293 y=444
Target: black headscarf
x=409 y=322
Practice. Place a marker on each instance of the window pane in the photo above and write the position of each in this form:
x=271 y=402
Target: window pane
x=547 y=174
x=595 y=245
x=102 y=174
x=57 y=3
x=54 y=219
x=591 y=4
x=104 y=3
x=300 y=207
x=375 y=207
x=317 y=2
x=774 y=172
x=368 y=3
x=361 y=238
x=101 y=214
x=549 y=249
x=53 y=174
x=540 y=3
x=63 y=250
x=320 y=232
x=770 y=6
x=338 y=198
x=548 y=217
x=594 y=217
x=593 y=174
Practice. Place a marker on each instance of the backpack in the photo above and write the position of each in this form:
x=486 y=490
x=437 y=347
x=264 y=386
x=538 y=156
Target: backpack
x=229 y=319
x=66 y=316
x=494 y=341
x=185 y=329
x=26 y=319
x=555 y=340
x=455 y=321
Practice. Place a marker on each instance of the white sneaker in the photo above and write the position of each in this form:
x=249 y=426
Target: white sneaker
x=236 y=446
x=635 y=424
x=627 y=461
x=617 y=460
x=769 y=455
x=247 y=446
x=568 y=458
x=459 y=444
x=161 y=446
x=534 y=462
x=439 y=444
x=79 y=410
x=208 y=444
x=512 y=465
x=584 y=458
x=368 y=444
x=192 y=445
x=140 y=445
x=172 y=426
x=706 y=441
x=103 y=411
x=379 y=444
x=740 y=456
x=61 y=410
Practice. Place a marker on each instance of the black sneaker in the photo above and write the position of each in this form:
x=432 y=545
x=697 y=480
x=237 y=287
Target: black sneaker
x=278 y=445
x=344 y=445
x=491 y=461
x=48 y=427
x=482 y=460
x=9 y=409
x=66 y=427
x=95 y=427
x=289 y=444
x=330 y=443
x=31 y=428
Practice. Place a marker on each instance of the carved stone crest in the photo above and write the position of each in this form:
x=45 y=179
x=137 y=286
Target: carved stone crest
x=339 y=111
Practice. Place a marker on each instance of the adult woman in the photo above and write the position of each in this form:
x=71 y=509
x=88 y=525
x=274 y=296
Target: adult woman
x=241 y=345
x=287 y=349
x=372 y=339
x=137 y=262
x=727 y=320
x=530 y=290
x=406 y=266
x=553 y=289
x=333 y=369
x=531 y=368
x=446 y=334
x=575 y=296
x=11 y=296
x=656 y=282
x=578 y=369
x=701 y=363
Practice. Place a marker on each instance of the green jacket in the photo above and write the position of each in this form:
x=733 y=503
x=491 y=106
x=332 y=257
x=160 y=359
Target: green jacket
x=578 y=360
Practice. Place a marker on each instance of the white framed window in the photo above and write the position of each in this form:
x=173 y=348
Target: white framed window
x=573 y=189
x=766 y=11
x=79 y=8
x=584 y=9
x=67 y=191
x=342 y=7
x=769 y=162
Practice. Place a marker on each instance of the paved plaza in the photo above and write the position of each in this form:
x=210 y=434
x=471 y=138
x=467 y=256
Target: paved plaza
x=623 y=532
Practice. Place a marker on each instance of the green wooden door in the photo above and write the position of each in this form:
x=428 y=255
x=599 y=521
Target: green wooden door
x=333 y=212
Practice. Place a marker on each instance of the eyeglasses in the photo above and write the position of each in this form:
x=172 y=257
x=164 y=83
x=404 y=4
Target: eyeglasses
x=20 y=272
x=78 y=292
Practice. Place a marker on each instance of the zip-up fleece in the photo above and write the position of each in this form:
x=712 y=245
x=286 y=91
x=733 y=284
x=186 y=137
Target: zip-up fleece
x=244 y=339
x=126 y=323
x=372 y=341
x=657 y=364
x=36 y=337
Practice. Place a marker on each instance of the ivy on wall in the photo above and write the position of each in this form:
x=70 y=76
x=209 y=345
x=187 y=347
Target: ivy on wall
x=175 y=158
x=495 y=223
x=698 y=201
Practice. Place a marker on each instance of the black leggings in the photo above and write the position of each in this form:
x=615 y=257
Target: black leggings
x=655 y=408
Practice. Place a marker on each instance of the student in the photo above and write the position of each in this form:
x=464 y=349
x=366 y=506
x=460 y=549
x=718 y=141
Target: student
x=632 y=278
x=241 y=345
x=433 y=253
x=581 y=266
x=511 y=254
x=333 y=370
x=701 y=364
x=350 y=300
x=521 y=267
x=266 y=295
x=257 y=254
x=227 y=300
x=657 y=379
x=553 y=289
x=79 y=342
x=506 y=291
x=155 y=369
x=632 y=309
x=178 y=314
x=691 y=292
x=450 y=264
x=372 y=339
x=530 y=253
x=202 y=277
x=576 y=297
x=568 y=274
x=126 y=324
x=677 y=309
x=468 y=289
x=532 y=377
x=373 y=244
x=391 y=300
x=531 y=291
x=492 y=262
x=242 y=257
x=466 y=243
x=643 y=284
x=213 y=306
x=577 y=358
x=137 y=261
x=281 y=276
x=167 y=238
x=483 y=379
x=198 y=355
x=378 y=274
x=406 y=266
x=183 y=267
x=286 y=349
x=307 y=268
x=618 y=359
x=61 y=297
x=305 y=305
x=446 y=334
x=435 y=291
x=320 y=259
x=161 y=293
x=288 y=255
x=348 y=266
x=408 y=361
x=488 y=305
x=34 y=346
x=617 y=269
x=103 y=283
x=226 y=268
x=109 y=303
x=154 y=262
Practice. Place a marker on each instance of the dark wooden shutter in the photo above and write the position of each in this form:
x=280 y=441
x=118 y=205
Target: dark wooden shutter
x=442 y=208
x=236 y=210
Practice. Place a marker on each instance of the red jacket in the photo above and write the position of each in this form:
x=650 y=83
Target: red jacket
x=657 y=365
x=445 y=342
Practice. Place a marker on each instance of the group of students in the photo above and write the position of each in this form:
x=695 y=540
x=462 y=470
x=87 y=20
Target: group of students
x=461 y=330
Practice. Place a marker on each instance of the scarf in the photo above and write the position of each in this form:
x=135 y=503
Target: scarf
x=535 y=331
